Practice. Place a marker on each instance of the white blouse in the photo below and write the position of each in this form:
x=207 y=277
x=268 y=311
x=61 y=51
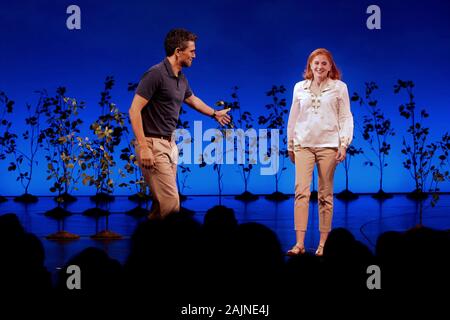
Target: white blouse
x=320 y=121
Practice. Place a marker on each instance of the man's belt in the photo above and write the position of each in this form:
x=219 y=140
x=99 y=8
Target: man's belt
x=159 y=136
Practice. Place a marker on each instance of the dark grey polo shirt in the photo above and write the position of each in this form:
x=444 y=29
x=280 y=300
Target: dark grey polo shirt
x=165 y=93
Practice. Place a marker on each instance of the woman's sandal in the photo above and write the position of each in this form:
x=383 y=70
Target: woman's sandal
x=296 y=251
x=319 y=251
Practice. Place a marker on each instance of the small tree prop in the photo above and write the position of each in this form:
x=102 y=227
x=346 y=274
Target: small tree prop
x=61 y=144
x=346 y=194
x=244 y=122
x=183 y=170
x=99 y=153
x=142 y=195
x=98 y=156
x=25 y=160
x=61 y=147
x=276 y=120
x=7 y=138
x=131 y=168
x=217 y=153
x=218 y=167
x=419 y=155
x=441 y=172
x=376 y=131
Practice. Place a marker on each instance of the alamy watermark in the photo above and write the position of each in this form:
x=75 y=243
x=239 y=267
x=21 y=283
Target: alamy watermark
x=374 y=280
x=73 y=22
x=374 y=20
x=74 y=279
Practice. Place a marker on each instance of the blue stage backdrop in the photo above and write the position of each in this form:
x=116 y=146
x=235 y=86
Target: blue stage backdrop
x=250 y=44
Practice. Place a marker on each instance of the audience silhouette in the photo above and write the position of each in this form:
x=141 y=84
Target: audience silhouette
x=179 y=261
x=22 y=269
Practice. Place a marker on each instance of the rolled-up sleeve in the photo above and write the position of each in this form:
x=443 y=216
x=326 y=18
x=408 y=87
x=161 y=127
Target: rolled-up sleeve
x=345 y=118
x=293 y=115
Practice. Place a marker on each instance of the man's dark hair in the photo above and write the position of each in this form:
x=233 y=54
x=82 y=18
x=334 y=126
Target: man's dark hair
x=177 y=38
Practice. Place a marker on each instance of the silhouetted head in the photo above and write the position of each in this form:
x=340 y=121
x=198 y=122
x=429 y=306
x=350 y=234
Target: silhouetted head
x=10 y=226
x=98 y=272
x=340 y=242
x=257 y=248
x=389 y=245
x=220 y=219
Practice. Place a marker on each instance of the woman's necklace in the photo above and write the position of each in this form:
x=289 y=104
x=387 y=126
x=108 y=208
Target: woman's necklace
x=316 y=91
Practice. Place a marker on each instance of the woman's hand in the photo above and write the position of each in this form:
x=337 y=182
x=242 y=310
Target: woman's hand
x=291 y=156
x=340 y=154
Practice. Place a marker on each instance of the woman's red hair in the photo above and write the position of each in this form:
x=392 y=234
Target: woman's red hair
x=334 y=73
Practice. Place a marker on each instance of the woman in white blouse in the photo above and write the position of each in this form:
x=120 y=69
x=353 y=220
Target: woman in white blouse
x=320 y=128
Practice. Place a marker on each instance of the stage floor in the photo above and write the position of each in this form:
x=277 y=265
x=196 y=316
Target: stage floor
x=365 y=217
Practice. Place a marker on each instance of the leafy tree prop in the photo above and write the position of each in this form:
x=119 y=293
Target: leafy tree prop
x=445 y=147
x=276 y=120
x=244 y=122
x=7 y=138
x=441 y=172
x=218 y=171
x=183 y=174
x=98 y=156
x=131 y=168
x=142 y=195
x=376 y=131
x=183 y=170
x=418 y=153
x=61 y=143
x=346 y=194
x=221 y=136
x=217 y=167
x=225 y=135
x=25 y=160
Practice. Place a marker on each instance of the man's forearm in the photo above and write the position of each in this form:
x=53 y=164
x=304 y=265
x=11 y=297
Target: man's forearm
x=138 y=129
x=201 y=107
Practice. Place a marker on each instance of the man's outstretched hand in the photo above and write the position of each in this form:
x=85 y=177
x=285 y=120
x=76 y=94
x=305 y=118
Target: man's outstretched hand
x=222 y=117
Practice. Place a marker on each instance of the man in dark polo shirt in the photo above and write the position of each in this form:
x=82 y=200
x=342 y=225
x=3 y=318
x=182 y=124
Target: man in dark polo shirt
x=154 y=115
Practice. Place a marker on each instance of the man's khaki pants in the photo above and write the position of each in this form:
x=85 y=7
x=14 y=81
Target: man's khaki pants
x=161 y=178
x=305 y=158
